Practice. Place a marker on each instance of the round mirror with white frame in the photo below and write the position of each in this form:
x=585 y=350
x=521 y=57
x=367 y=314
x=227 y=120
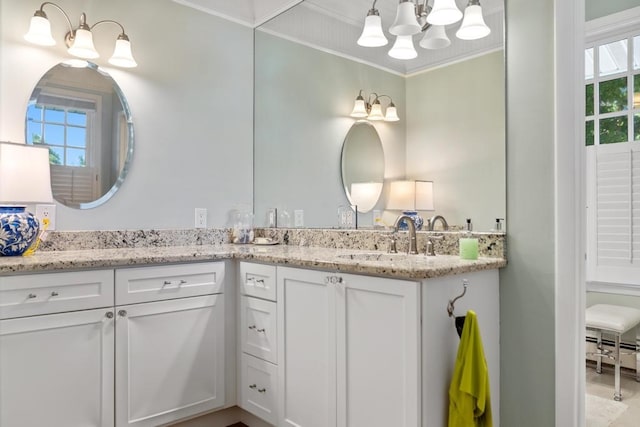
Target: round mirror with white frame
x=81 y=114
x=362 y=166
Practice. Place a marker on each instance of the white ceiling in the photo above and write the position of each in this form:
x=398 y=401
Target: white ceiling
x=335 y=25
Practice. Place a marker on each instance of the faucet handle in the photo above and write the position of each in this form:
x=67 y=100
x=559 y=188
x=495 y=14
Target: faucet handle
x=430 y=249
x=392 y=244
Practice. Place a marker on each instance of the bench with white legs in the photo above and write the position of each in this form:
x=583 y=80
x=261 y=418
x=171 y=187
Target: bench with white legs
x=612 y=320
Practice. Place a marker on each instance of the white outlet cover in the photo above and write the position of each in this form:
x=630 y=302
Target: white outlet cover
x=47 y=211
x=298 y=217
x=200 y=218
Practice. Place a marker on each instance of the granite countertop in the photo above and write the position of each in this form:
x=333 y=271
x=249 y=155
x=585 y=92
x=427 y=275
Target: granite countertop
x=376 y=263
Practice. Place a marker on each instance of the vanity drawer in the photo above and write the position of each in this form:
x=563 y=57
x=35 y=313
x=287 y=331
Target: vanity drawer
x=34 y=294
x=258 y=334
x=258 y=280
x=258 y=390
x=144 y=284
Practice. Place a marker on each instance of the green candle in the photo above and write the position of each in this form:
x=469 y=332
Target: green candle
x=469 y=248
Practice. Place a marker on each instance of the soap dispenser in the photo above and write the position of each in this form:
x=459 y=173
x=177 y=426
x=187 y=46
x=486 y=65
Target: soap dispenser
x=468 y=244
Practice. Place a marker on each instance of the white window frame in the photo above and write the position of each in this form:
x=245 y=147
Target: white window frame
x=611 y=279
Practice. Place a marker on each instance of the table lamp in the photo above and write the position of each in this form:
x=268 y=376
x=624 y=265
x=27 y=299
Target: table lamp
x=24 y=179
x=411 y=197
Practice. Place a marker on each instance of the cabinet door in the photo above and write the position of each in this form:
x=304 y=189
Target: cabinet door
x=57 y=370
x=378 y=352
x=169 y=360
x=306 y=349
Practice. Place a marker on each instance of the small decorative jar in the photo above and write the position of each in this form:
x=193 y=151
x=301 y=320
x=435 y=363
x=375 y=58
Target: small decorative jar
x=18 y=230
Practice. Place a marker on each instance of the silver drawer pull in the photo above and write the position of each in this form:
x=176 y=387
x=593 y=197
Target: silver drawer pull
x=32 y=296
x=54 y=294
x=252 y=327
x=253 y=386
x=109 y=314
x=260 y=330
x=262 y=390
x=169 y=282
x=260 y=282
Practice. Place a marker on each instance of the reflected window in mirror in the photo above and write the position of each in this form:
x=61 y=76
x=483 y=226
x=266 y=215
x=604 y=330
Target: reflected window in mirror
x=80 y=114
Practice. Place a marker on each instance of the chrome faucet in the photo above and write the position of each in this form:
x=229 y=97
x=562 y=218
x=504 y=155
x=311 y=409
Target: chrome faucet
x=413 y=247
x=432 y=221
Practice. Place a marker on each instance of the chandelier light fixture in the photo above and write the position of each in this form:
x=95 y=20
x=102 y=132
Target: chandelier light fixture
x=372 y=110
x=416 y=16
x=79 y=40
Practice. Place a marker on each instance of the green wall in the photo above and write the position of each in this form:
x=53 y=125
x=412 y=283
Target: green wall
x=527 y=292
x=599 y=8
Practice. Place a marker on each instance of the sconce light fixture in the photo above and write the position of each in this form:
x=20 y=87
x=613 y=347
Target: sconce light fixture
x=79 y=40
x=414 y=16
x=24 y=179
x=411 y=197
x=372 y=110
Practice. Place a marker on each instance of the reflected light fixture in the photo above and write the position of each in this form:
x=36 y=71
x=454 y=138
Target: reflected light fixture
x=79 y=40
x=372 y=110
x=415 y=16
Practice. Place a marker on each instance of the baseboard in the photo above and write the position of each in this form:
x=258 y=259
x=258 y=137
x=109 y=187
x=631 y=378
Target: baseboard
x=224 y=418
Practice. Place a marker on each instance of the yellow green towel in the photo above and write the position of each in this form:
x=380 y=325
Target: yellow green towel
x=469 y=397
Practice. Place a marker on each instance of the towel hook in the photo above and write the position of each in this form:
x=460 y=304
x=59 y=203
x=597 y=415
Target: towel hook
x=450 y=305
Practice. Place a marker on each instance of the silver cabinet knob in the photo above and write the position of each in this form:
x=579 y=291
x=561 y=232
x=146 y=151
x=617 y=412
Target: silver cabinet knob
x=260 y=330
x=262 y=390
x=109 y=314
x=253 y=386
x=32 y=296
x=182 y=282
x=167 y=282
x=122 y=313
x=252 y=327
x=54 y=294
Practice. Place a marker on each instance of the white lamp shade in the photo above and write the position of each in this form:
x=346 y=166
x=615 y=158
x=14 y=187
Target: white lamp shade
x=406 y=22
x=359 y=109
x=122 y=55
x=24 y=174
x=40 y=32
x=82 y=46
x=391 y=114
x=444 y=12
x=435 y=38
x=365 y=195
x=411 y=196
x=403 y=48
x=376 y=112
x=473 y=26
x=372 y=35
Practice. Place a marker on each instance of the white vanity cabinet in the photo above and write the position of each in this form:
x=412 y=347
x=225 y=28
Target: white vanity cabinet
x=258 y=335
x=56 y=370
x=349 y=350
x=170 y=353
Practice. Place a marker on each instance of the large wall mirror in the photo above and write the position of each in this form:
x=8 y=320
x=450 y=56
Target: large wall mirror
x=81 y=114
x=308 y=72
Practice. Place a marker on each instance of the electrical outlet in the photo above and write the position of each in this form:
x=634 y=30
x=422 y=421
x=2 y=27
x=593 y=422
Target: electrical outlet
x=298 y=218
x=48 y=212
x=201 y=218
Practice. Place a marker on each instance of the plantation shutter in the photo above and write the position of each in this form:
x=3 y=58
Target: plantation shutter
x=613 y=213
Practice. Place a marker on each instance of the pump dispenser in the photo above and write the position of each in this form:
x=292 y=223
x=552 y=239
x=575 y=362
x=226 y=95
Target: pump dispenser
x=468 y=244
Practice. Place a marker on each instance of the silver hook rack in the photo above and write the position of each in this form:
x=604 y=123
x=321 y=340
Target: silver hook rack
x=451 y=304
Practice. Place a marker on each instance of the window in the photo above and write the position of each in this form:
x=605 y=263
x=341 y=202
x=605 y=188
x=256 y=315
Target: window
x=63 y=129
x=612 y=140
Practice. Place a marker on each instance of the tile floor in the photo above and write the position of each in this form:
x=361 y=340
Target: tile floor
x=602 y=386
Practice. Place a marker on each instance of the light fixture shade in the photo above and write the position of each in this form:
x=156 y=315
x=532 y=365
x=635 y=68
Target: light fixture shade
x=403 y=48
x=40 y=31
x=24 y=174
x=122 y=56
x=82 y=46
x=372 y=35
x=473 y=26
x=411 y=196
x=391 y=114
x=365 y=195
x=376 y=111
x=435 y=38
x=444 y=12
x=406 y=22
x=359 y=108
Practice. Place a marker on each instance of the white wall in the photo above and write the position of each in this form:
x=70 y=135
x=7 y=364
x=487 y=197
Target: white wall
x=456 y=138
x=191 y=99
x=303 y=100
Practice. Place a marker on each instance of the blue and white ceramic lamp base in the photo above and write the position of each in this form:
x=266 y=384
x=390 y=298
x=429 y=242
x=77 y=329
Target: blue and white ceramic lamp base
x=417 y=220
x=18 y=230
